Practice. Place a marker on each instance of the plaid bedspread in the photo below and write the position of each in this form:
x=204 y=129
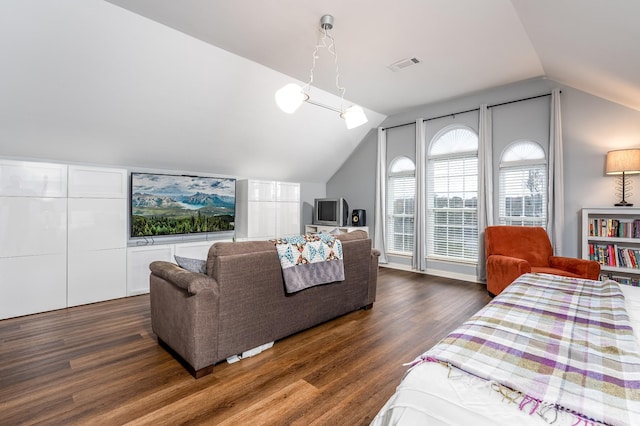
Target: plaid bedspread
x=309 y=260
x=559 y=343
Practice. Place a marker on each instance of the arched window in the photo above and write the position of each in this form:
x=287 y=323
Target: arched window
x=401 y=190
x=452 y=195
x=523 y=185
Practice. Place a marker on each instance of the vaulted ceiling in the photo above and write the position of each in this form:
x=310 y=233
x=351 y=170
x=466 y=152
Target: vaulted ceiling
x=464 y=45
x=189 y=84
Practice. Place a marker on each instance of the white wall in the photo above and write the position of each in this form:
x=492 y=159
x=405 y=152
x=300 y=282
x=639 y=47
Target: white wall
x=89 y=82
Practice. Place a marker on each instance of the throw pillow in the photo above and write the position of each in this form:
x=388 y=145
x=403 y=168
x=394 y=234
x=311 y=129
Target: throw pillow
x=192 y=265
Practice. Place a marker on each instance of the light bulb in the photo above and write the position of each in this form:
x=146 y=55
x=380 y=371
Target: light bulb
x=354 y=116
x=290 y=97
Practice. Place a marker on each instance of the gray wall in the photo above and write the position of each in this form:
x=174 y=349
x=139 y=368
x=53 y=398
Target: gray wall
x=591 y=127
x=355 y=180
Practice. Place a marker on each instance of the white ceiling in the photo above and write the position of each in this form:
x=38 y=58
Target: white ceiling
x=465 y=45
x=188 y=85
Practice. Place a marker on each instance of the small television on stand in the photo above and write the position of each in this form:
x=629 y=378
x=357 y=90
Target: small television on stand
x=331 y=212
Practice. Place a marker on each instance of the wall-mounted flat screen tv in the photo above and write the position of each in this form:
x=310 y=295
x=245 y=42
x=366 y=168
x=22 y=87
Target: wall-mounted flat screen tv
x=173 y=204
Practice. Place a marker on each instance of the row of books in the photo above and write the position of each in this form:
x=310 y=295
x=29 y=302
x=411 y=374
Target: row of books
x=623 y=228
x=632 y=281
x=612 y=255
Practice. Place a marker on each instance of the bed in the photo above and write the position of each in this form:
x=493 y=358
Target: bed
x=548 y=350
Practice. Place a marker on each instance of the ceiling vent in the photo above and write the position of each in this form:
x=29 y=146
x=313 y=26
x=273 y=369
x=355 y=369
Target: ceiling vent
x=404 y=63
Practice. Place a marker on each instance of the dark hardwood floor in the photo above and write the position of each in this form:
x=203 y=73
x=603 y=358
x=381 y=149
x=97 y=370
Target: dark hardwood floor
x=101 y=364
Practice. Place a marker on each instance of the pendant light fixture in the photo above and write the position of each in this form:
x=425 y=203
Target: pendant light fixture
x=291 y=96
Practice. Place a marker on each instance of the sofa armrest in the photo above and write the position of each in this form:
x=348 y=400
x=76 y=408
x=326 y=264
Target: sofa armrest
x=191 y=282
x=585 y=268
x=503 y=270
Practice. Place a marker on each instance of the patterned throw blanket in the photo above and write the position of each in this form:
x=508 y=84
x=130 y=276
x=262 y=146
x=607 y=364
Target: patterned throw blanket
x=310 y=260
x=557 y=343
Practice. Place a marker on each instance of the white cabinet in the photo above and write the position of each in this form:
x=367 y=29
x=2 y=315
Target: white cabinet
x=139 y=258
x=260 y=222
x=63 y=236
x=33 y=237
x=97 y=182
x=267 y=209
x=32 y=226
x=30 y=284
x=32 y=179
x=97 y=234
x=314 y=229
x=611 y=236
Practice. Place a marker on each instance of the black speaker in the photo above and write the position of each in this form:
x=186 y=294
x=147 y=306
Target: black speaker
x=359 y=217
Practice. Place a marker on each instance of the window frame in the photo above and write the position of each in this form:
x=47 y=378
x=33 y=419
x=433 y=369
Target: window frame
x=467 y=214
x=391 y=217
x=523 y=166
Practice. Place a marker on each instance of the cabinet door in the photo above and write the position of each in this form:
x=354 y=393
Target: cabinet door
x=32 y=226
x=288 y=219
x=287 y=191
x=27 y=179
x=194 y=250
x=32 y=284
x=97 y=223
x=261 y=220
x=138 y=260
x=97 y=275
x=95 y=182
x=261 y=190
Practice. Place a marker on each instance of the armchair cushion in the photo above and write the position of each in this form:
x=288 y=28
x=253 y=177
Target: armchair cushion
x=514 y=250
x=580 y=267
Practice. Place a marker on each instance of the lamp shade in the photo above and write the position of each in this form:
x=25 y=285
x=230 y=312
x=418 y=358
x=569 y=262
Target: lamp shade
x=290 y=97
x=623 y=160
x=354 y=116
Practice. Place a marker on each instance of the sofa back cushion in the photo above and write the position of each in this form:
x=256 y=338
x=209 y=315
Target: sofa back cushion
x=523 y=242
x=249 y=274
x=248 y=247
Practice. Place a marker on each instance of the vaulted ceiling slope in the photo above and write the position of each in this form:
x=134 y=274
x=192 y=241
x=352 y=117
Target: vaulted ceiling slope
x=188 y=85
x=465 y=45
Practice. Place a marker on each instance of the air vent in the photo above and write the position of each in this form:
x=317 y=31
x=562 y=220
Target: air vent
x=404 y=63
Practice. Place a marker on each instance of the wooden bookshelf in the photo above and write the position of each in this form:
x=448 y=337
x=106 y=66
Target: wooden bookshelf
x=611 y=236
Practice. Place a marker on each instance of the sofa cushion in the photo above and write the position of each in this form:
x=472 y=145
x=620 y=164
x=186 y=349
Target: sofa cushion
x=192 y=265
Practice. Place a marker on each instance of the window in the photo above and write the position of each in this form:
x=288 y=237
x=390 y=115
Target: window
x=523 y=185
x=401 y=189
x=452 y=195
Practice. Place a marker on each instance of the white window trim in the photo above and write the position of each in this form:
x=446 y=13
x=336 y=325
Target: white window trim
x=389 y=215
x=430 y=225
x=522 y=165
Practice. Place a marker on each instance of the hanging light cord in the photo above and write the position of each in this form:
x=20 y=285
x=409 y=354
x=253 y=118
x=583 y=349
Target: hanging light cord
x=331 y=48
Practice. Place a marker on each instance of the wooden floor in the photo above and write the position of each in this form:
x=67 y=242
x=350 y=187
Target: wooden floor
x=100 y=364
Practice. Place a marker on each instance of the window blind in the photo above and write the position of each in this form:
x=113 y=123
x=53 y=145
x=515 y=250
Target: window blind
x=452 y=207
x=401 y=191
x=523 y=193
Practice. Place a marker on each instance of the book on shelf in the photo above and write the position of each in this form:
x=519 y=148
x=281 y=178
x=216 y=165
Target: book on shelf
x=613 y=255
x=614 y=228
x=633 y=281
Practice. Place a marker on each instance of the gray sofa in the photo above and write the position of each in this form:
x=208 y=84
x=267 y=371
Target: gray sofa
x=241 y=303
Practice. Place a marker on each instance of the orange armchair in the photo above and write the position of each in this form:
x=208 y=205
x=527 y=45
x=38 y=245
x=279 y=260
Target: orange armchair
x=515 y=250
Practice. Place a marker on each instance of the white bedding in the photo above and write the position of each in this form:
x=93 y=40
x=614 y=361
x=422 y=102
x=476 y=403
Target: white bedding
x=426 y=396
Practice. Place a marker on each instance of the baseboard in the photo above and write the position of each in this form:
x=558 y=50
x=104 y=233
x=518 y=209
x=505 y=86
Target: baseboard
x=434 y=272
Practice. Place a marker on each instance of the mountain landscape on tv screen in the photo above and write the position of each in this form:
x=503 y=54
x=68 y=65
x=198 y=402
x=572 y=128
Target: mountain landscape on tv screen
x=169 y=205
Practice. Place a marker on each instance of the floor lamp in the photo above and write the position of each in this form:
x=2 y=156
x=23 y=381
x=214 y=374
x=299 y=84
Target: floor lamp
x=623 y=162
